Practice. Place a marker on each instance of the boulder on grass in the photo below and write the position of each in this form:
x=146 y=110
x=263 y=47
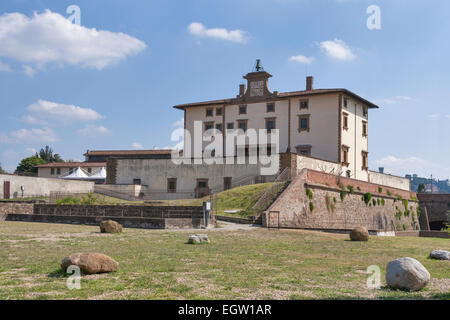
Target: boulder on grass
x=359 y=234
x=407 y=274
x=198 y=238
x=440 y=255
x=90 y=263
x=110 y=226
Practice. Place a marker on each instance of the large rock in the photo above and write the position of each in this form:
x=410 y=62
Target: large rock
x=359 y=234
x=198 y=238
x=110 y=226
x=406 y=273
x=90 y=263
x=440 y=255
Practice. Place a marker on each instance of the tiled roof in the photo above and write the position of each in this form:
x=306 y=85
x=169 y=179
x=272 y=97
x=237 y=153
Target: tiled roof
x=126 y=152
x=282 y=95
x=71 y=164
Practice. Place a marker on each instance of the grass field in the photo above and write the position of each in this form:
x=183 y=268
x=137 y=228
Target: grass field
x=240 y=198
x=242 y=264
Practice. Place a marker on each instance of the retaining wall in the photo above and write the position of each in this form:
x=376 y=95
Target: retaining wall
x=148 y=217
x=35 y=186
x=438 y=209
x=326 y=209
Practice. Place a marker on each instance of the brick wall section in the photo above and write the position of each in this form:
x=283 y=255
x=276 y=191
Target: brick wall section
x=334 y=181
x=111 y=171
x=438 y=209
x=292 y=208
x=288 y=160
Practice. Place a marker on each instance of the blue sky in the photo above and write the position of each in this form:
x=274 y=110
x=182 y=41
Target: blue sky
x=113 y=87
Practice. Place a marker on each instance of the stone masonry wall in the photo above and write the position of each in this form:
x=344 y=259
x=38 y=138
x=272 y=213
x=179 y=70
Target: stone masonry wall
x=15 y=207
x=151 y=217
x=438 y=209
x=326 y=209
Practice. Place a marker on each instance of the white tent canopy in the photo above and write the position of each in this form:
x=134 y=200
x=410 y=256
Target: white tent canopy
x=100 y=175
x=77 y=174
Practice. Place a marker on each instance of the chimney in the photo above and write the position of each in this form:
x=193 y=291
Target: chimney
x=241 y=89
x=309 y=83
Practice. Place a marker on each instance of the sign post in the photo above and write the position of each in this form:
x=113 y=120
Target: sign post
x=206 y=213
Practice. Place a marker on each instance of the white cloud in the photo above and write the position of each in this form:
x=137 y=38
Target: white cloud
x=404 y=98
x=29 y=135
x=4 y=67
x=394 y=100
x=198 y=29
x=410 y=165
x=29 y=71
x=44 y=109
x=179 y=123
x=32 y=120
x=94 y=131
x=433 y=115
x=137 y=145
x=31 y=151
x=302 y=59
x=337 y=49
x=49 y=37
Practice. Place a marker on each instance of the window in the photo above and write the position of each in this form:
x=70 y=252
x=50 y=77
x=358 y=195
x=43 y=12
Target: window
x=52 y=171
x=364 y=165
x=58 y=171
x=202 y=188
x=365 y=111
x=271 y=107
x=230 y=125
x=209 y=112
x=345 y=150
x=364 y=128
x=242 y=109
x=137 y=182
x=304 y=150
x=348 y=173
x=202 y=183
x=345 y=102
x=270 y=124
x=209 y=125
x=226 y=183
x=345 y=121
x=172 y=185
x=70 y=170
x=218 y=111
x=303 y=122
x=242 y=124
x=219 y=127
x=89 y=170
x=304 y=104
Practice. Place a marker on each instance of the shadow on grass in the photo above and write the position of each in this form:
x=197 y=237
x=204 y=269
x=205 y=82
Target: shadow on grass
x=58 y=273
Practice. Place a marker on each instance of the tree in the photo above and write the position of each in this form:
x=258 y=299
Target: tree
x=47 y=155
x=26 y=165
x=421 y=187
x=1 y=170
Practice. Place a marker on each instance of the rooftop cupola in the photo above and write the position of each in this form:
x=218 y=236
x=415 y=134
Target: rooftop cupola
x=257 y=82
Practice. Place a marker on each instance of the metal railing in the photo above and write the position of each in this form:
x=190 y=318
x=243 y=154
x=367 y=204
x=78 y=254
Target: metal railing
x=272 y=192
x=57 y=195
